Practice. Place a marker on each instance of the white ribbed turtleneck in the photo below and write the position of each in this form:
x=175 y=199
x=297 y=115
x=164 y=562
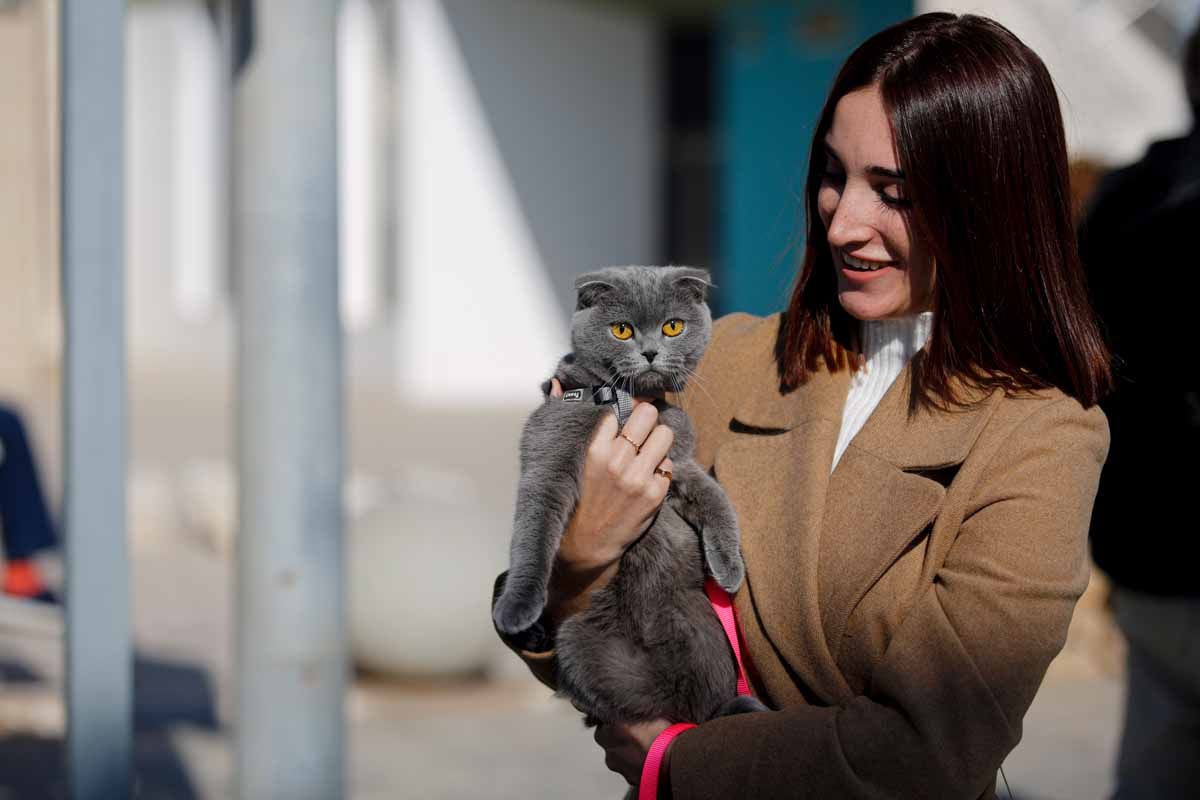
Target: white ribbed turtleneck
x=888 y=345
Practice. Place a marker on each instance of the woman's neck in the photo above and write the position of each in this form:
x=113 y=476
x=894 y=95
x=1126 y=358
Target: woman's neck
x=899 y=338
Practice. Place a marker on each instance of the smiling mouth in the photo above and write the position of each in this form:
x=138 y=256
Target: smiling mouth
x=864 y=265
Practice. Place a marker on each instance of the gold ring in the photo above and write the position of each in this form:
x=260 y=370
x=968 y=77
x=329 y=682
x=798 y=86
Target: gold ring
x=637 y=447
x=666 y=473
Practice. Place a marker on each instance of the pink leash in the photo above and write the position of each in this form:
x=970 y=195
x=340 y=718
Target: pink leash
x=723 y=607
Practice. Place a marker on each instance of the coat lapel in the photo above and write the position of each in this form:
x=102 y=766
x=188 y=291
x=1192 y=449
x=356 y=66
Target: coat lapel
x=887 y=489
x=815 y=543
x=873 y=512
x=775 y=470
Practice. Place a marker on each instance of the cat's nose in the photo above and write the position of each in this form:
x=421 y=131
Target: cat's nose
x=650 y=354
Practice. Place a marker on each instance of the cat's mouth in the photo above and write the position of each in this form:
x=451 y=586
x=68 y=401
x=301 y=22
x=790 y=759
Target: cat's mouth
x=651 y=381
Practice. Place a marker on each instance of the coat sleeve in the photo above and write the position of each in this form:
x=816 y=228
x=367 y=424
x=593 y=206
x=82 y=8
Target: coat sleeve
x=532 y=645
x=946 y=700
x=535 y=646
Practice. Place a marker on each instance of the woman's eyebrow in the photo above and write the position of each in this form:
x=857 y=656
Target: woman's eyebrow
x=882 y=172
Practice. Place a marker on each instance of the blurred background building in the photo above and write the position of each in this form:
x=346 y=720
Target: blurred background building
x=490 y=150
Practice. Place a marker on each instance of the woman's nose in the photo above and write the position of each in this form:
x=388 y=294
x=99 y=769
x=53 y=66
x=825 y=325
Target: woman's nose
x=851 y=221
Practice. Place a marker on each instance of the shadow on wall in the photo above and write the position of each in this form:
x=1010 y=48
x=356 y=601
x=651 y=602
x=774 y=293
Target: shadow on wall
x=569 y=93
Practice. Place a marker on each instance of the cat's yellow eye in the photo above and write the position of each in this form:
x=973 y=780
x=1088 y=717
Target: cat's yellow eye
x=673 y=327
x=622 y=330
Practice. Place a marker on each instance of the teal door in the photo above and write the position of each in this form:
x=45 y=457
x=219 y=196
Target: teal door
x=775 y=62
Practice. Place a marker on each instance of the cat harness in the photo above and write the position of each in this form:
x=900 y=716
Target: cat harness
x=620 y=400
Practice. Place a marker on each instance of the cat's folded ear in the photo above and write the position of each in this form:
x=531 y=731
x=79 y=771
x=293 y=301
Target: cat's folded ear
x=590 y=288
x=691 y=283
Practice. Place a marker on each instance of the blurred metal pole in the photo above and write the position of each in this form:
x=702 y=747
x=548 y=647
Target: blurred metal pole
x=291 y=637
x=98 y=660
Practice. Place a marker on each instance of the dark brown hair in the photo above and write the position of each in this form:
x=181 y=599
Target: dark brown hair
x=979 y=136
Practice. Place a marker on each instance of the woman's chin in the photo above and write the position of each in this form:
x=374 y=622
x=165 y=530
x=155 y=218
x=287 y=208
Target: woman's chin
x=863 y=306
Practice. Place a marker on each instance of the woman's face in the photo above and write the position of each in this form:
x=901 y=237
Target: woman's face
x=882 y=270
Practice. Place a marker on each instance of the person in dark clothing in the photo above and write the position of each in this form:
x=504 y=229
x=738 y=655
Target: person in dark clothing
x=1135 y=241
x=24 y=518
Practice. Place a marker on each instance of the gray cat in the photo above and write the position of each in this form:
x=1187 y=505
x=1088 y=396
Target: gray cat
x=649 y=645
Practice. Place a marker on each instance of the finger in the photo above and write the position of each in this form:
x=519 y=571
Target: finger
x=630 y=438
x=603 y=735
x=617 y=764
x=641 y=421
x=654 y=450
x=556 y=389
x=667 y=466
x=621 y=456
x=607 y=429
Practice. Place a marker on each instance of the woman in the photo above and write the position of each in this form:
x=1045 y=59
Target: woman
x=913 y=447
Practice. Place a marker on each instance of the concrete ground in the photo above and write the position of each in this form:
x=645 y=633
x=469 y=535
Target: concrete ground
x=500 y=739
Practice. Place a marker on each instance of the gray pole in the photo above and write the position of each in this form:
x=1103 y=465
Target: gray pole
x=291 y=637
x=98 y=663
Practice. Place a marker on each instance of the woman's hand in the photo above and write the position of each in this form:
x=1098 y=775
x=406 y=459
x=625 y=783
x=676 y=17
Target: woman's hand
x=626 y=744
x=619 y=498
x=621 y=492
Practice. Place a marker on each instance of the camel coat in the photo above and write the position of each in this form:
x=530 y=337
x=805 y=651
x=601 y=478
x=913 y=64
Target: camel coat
x=900 y=613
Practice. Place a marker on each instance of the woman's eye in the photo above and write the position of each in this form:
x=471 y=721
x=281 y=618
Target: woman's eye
x=893 y=200
x=622 y=330
x=673 y=327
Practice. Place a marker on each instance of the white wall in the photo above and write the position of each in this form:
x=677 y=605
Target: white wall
x=529 y=154
x=517 y=138
x=176 y=182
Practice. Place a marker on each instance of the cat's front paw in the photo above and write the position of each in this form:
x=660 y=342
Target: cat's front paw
x=727 y=567
x=514 y=613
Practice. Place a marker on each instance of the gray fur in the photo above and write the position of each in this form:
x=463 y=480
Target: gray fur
x=649 y=645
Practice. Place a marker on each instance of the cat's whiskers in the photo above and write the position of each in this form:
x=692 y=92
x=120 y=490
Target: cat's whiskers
x=612 y=382
x=693 y=378
x=677 y=389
